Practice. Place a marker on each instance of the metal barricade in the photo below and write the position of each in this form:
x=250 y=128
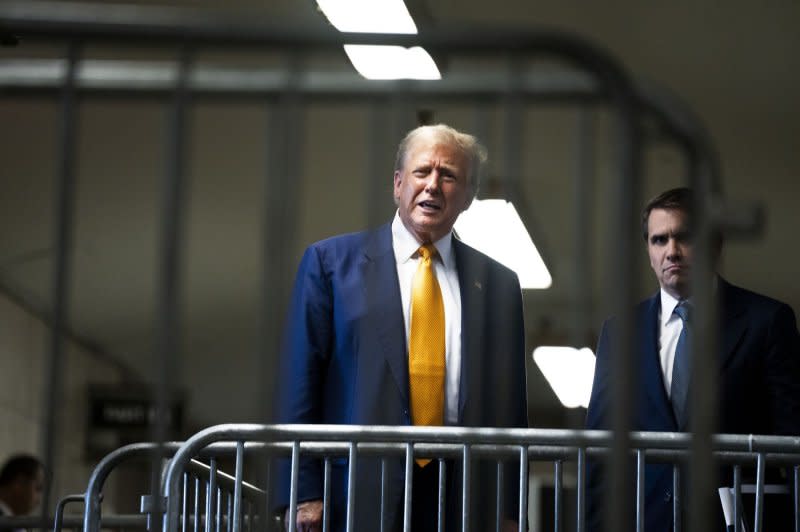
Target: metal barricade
x=329 y=442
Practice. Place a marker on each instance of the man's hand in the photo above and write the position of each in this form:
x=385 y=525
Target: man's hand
x=309 y=516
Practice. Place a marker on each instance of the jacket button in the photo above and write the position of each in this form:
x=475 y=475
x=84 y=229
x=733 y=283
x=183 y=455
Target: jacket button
x=667 y=496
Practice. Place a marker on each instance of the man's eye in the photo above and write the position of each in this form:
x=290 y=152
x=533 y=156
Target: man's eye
x=658 y=240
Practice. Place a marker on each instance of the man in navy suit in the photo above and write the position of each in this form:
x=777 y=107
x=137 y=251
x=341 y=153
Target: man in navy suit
x=346 y=358
x=759 y=361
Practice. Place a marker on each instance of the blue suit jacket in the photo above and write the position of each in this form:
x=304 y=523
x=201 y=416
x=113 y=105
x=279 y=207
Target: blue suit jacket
x=759 y=386
x=345 y=361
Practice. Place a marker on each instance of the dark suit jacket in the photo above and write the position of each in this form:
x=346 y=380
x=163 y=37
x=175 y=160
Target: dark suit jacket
x=759 y=361
x=345 y=361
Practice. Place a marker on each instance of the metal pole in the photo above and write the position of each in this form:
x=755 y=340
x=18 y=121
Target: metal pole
x=558 y=476
x=351 y=487
x=63 y=227
x=168 y=325
x=237 y=491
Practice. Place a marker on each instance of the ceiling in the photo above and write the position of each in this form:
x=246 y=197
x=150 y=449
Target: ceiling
x=731 y=62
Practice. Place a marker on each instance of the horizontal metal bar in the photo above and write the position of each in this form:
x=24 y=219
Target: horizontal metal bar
x=485 y=436
x=160 y=77
x=73 y=521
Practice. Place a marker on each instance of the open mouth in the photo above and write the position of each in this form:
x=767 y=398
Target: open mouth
x=427 y=205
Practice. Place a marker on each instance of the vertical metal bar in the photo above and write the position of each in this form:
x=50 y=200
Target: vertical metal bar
x=639 y=490
x=196 y=524
x=582 y=232
x=705 y=371
x=523 y=489
x=211 y=490
x=265 y=523
x=237 y=489
x=621 y=292
x=409 y=481
x=737 y=498
x=760 y=469
x=498 y=518
x=442 y=491
x=218 y=516
x=557 y=495
x=185 y=504
x=384 y=487
x=63 y=227
x=378 y=201
x=581 y=491
x=293 y=484
x=677 y=498
x=228 y=511
x=326 y=495
x=465 y=488
x=167 y=346
x=283 y=181
x=351 y=487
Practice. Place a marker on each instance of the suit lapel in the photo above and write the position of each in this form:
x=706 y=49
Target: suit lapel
x=652 y=375
x=732 y=322
x=382 y=292
x=471 y=286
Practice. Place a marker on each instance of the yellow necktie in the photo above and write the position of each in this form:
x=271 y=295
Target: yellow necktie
x=426 y=349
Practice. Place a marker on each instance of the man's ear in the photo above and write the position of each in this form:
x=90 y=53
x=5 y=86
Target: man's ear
x=396 y=187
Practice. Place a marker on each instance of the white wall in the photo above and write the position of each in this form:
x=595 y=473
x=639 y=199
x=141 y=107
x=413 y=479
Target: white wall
x=24 y=344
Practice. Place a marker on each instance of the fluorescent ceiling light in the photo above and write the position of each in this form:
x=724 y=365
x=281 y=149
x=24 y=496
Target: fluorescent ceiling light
x=569 y=372
x=494 y=227
x=368 y=16
x=392 y=62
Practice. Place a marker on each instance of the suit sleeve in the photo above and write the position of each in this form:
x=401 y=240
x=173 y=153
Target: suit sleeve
x=304 y=359
x=596 y=420
x=598 y=402
x=518 y=395
x=782 y=372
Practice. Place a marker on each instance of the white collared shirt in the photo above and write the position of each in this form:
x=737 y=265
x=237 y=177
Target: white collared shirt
x=405 y=247
x=670 y=329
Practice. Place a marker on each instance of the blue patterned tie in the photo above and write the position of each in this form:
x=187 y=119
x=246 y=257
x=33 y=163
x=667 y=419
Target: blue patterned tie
x=681 y=369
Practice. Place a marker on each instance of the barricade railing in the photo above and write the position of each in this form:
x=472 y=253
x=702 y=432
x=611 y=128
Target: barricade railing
x=462 y=445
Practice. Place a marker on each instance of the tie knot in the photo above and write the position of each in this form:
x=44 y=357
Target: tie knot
x=683 y=310
x=427 y=251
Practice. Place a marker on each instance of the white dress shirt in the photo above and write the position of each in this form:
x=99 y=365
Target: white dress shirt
x=671 y=326
x=405 y=247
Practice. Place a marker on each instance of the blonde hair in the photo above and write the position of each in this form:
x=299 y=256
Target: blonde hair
x=466 y=143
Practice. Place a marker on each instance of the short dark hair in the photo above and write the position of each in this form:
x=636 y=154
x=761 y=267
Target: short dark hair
x=19 y=465
x=674 y=199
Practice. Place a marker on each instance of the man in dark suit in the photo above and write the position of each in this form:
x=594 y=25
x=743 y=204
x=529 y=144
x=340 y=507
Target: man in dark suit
x=353 y=347
x=759 y=360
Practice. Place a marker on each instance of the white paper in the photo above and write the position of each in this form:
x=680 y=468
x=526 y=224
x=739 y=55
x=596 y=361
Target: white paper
x=726 y=500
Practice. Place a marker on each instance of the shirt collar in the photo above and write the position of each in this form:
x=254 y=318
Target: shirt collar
x=668 y=304
x=406 y=245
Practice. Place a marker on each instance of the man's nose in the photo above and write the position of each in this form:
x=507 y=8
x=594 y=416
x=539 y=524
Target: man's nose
x=673 y=249
x=432 y=183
